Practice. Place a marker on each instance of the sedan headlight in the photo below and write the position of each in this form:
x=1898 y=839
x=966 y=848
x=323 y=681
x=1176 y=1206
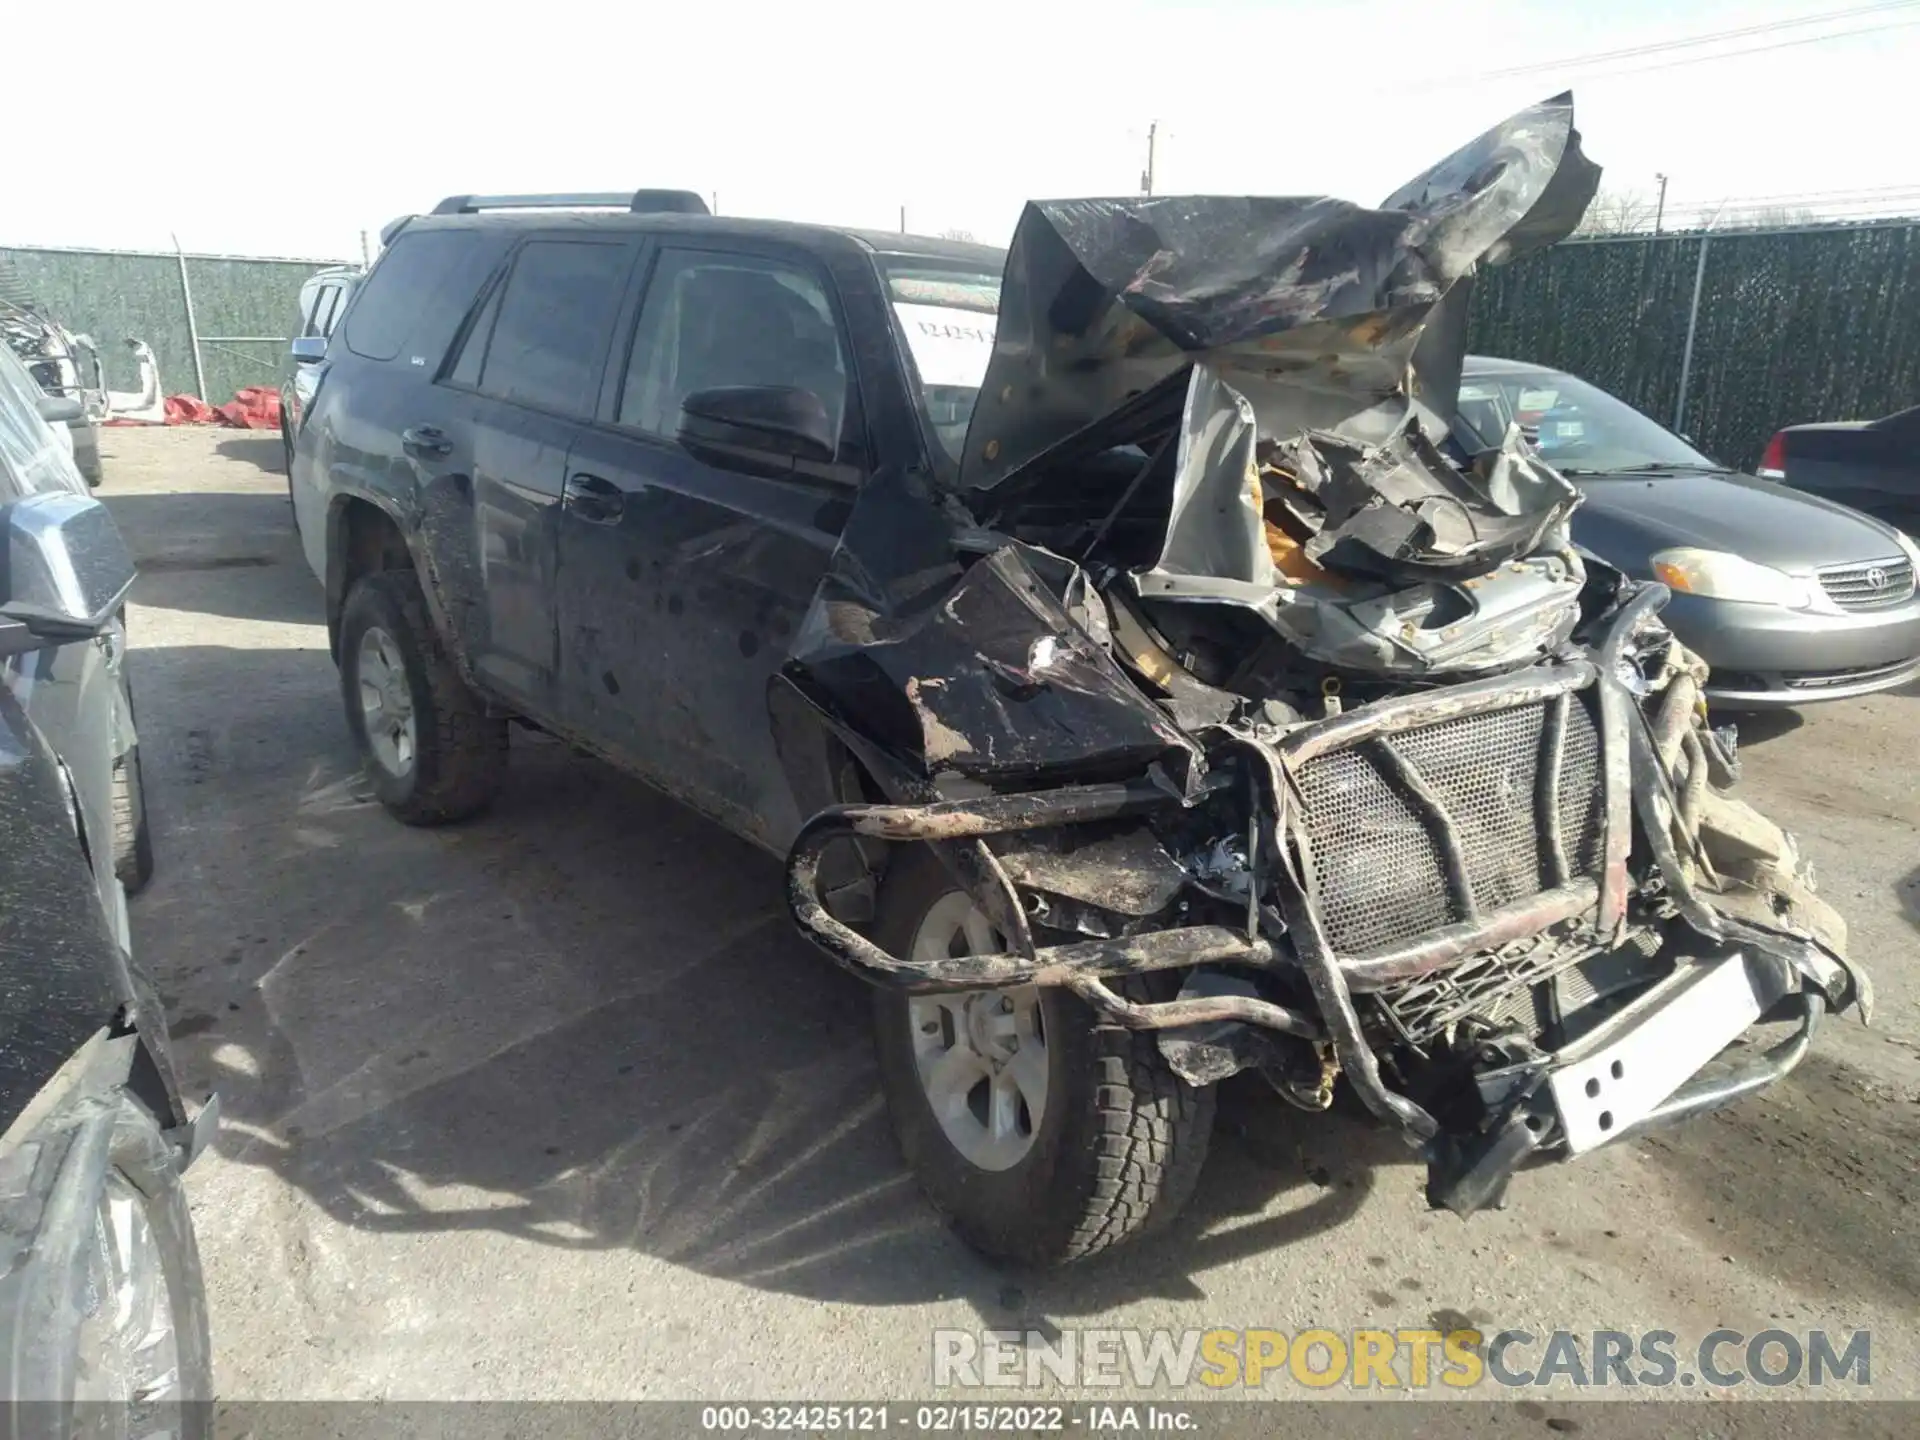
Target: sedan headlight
x=1717 y=575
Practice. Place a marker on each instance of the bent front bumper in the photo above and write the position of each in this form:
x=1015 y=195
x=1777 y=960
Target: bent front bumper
x=1681 y=1049
x=1587 y=763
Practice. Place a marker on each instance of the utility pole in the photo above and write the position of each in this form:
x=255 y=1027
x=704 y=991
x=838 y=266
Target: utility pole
x=903 y=219
x=1146 y=175
x=1660 y=206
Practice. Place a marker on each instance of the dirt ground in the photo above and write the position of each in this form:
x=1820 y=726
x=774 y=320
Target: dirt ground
x=556 y=1104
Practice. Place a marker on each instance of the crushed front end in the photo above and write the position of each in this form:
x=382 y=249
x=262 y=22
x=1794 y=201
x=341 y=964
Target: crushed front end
x=1253 y=717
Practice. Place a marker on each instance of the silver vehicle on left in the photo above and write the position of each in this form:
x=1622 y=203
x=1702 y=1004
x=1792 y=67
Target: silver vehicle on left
x=103 y=1318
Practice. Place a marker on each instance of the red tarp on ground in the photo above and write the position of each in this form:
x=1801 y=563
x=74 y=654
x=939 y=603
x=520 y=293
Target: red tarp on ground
x=188 y=410
x=255 y=408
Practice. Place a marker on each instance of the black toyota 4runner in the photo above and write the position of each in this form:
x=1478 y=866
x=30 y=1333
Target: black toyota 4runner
x=1136 y=691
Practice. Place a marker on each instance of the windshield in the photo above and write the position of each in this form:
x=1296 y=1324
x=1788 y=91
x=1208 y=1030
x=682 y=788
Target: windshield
x=947 y=311
x=1578 y=428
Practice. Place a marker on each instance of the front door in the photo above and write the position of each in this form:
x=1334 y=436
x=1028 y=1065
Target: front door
x=682 y=583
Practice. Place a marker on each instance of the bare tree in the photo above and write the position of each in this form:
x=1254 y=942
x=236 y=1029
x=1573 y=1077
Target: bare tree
x=956 y=233
x=1617 y=212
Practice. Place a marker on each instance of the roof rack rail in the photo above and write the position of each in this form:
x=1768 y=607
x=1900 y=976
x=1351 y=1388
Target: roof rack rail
x=674 y=202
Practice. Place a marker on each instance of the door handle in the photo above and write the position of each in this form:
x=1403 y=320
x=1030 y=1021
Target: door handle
x=593 y=499
x=426 y=442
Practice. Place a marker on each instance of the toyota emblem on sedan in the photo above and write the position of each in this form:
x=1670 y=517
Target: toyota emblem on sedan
x=1876 y=577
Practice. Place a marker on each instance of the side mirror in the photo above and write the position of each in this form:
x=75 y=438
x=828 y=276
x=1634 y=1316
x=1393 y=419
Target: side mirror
x=754 y=422
x=308 y=348
x=65 y=571
x=61 y=409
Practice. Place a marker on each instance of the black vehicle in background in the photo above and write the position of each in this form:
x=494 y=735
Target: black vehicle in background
x=1136 y=692
x=101 y=1302
x=1872 y=465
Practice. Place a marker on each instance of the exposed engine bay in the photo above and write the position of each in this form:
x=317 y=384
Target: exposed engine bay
x=1209 y=663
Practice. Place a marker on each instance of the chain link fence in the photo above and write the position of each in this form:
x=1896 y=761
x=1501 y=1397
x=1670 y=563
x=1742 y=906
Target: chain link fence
x=1724 y=335
x=234 y=334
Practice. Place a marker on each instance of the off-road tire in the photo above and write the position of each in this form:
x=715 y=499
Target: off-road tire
x=132 y=835
x=286 y=454
x=86 y=457
x=1119 y=1149
x=460 y=752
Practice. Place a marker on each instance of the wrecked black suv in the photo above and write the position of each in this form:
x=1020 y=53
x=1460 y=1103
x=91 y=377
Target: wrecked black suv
x=1137 y=693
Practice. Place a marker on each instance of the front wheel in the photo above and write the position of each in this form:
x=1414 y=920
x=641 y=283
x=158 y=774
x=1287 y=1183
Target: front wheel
x=1042 y=1133
x=106 y=1310
x=432 y=751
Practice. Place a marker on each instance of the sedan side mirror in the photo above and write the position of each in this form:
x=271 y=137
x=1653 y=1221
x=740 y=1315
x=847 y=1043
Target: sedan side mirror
x=60 y=409
x=755 y=422
x=308 y=348
x=65 y=571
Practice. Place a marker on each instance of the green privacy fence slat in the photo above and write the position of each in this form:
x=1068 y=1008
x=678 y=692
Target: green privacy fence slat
x=1795 y=325
x=115 y=296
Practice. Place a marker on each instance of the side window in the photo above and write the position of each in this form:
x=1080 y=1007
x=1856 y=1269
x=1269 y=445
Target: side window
x=714 y=319
x=423 y=273
x=320 y=318
x=553 y=321
x=473 y=349
x=341 y=294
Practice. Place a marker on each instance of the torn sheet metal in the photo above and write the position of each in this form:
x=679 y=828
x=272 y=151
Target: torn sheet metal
x=1309 y=486
x=1383 y=558
x=990 y=672
x=1311 y=306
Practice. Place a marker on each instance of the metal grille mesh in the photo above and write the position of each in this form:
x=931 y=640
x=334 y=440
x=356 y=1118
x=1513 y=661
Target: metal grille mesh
x=1380 y=878
x=1871 y=586
x=1497 y=985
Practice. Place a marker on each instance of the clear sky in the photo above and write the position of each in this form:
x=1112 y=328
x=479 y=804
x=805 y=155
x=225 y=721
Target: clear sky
x=288 y=129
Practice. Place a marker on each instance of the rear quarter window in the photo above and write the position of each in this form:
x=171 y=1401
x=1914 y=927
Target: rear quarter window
x=420 y=290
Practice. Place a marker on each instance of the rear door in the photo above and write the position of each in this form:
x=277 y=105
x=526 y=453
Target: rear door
x=682 y=583
x=524 y=378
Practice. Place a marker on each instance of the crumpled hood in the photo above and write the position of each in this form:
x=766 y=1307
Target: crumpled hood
x=1323 y=299
x=1317 y=349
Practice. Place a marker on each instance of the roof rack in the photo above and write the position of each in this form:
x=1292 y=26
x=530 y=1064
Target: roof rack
x=672 y=202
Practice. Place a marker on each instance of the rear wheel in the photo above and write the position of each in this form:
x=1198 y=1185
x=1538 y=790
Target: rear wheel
x=431 y=749
x=86 y=455
x=286 y=450
x=1042 y=1133
x=132 y=835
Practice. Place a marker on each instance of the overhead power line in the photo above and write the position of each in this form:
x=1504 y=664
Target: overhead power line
x=1606 y=64
x=1758 y=49
x=1631 y=52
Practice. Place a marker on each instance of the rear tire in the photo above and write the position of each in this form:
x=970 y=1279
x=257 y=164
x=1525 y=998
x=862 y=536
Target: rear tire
x=453 y=756
x=86 y=455
x=286 y=450
x=1116 y=1151
x=132 y=835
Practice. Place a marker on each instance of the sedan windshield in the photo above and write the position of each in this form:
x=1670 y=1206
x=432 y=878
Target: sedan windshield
x=947 y=311
x=1578 y=428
